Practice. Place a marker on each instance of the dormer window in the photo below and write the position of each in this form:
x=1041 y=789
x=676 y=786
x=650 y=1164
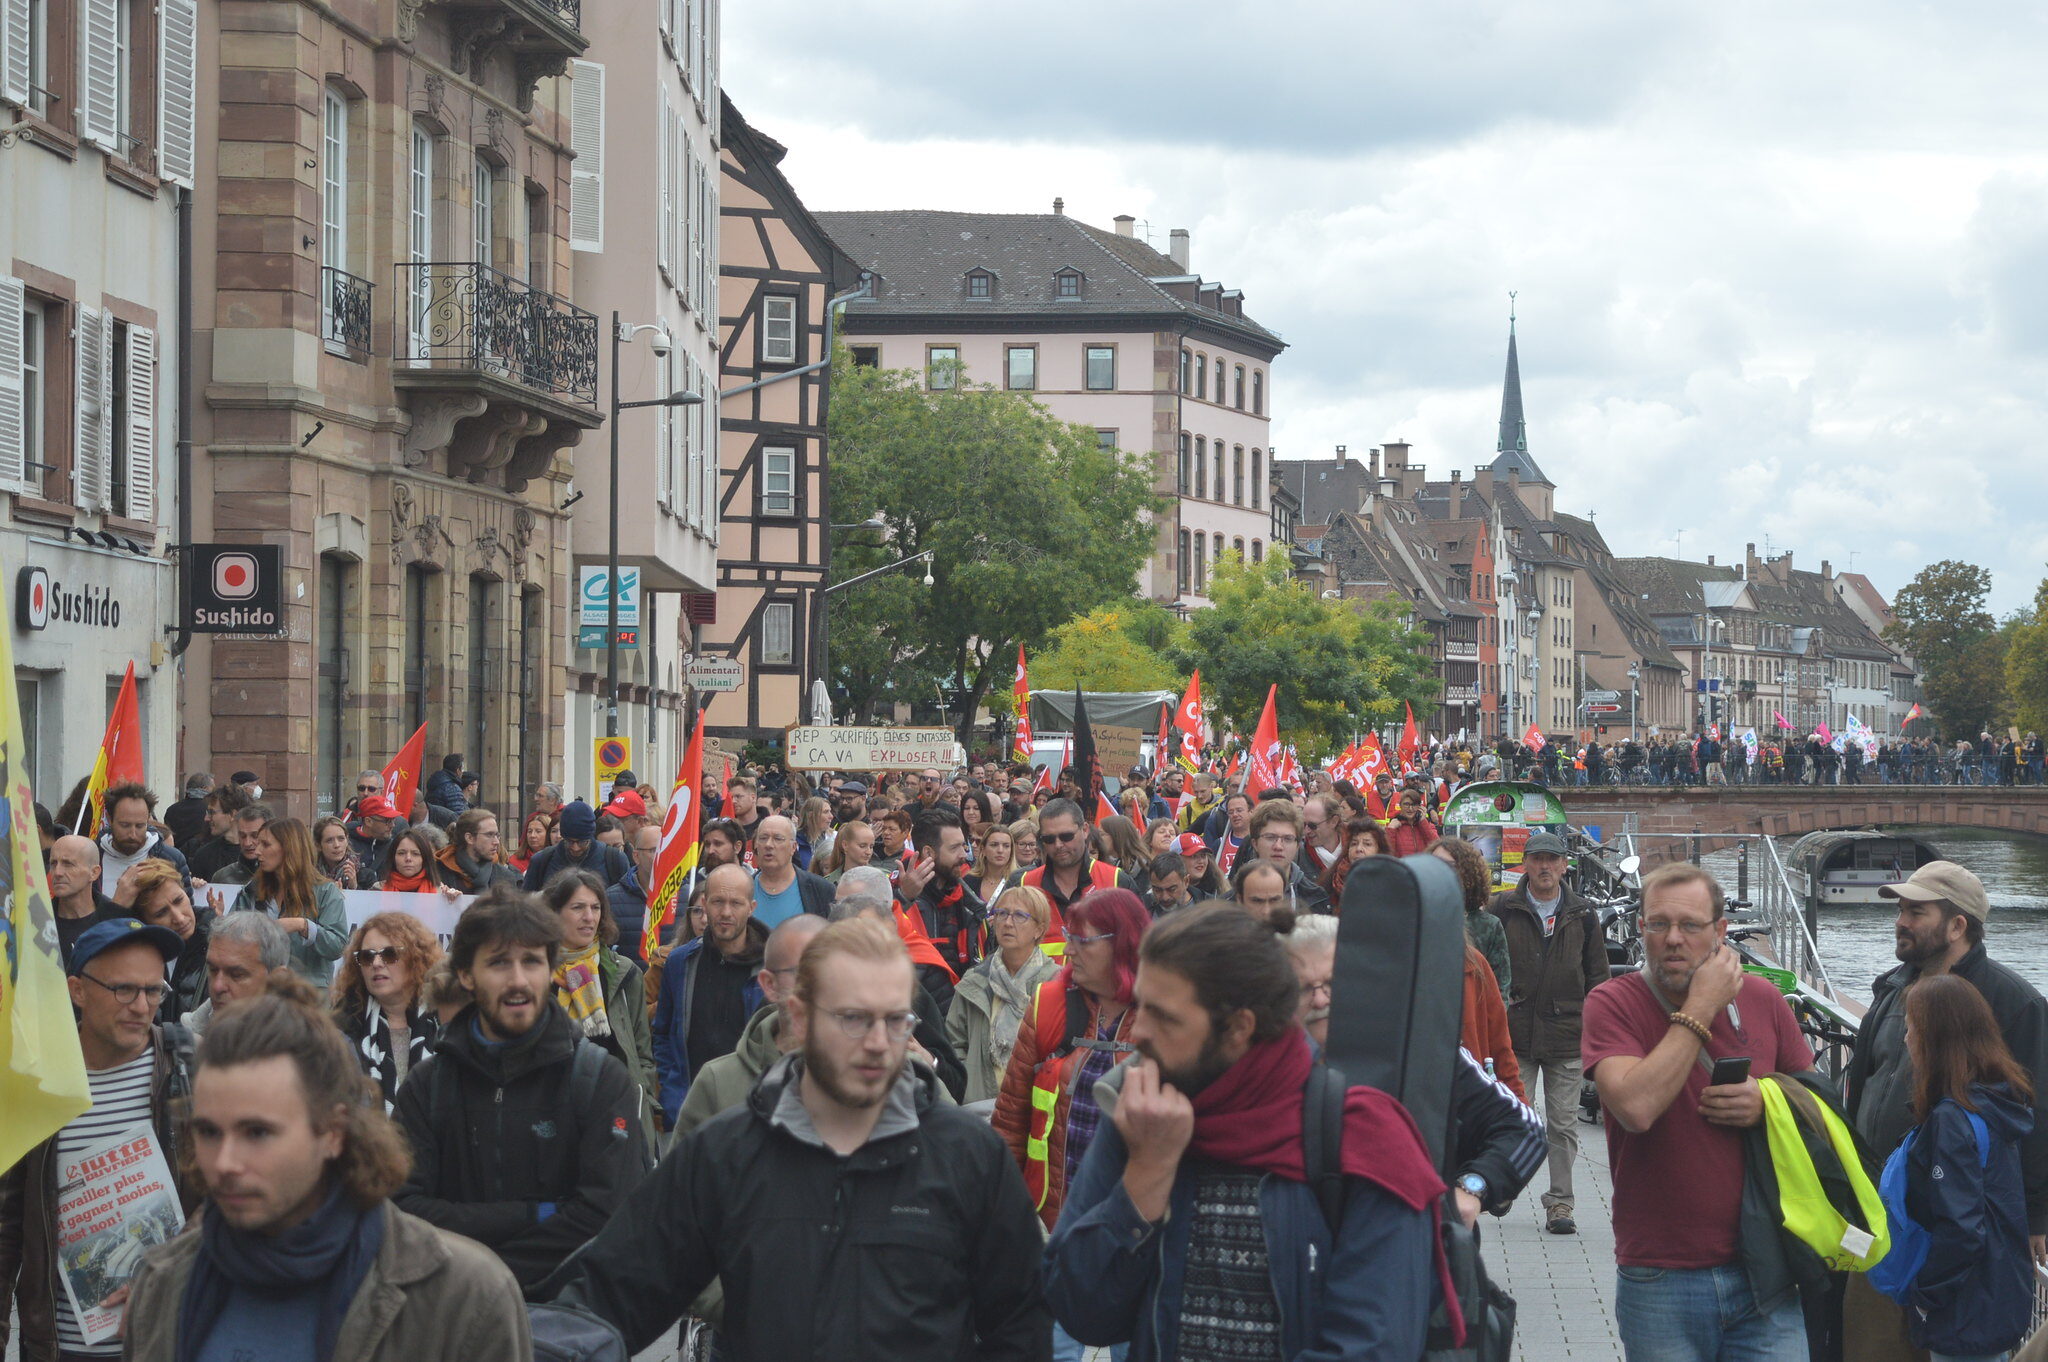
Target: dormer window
x=1066 y=284
x=981 y=284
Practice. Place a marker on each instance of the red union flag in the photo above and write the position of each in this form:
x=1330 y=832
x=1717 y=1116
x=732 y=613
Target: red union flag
x=1264 y=772
x=1411 y=741
x=1534 y=739
x=1187 y=720
x=676 y=857
x=402 y=775
x=1373 y=757
x=119 y=760
x=1020 y=692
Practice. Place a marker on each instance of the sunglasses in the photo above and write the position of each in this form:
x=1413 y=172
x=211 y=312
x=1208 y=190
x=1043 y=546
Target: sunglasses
x=388 y=954
x=367 y=789
x=1060 y=838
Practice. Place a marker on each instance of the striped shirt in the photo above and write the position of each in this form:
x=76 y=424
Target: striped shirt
x=120 y=1106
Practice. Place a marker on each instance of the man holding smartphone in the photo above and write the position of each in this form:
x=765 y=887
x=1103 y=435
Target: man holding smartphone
x=1675 y=1051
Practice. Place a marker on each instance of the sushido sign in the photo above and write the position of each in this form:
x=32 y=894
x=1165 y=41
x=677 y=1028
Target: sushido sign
x=811 y=748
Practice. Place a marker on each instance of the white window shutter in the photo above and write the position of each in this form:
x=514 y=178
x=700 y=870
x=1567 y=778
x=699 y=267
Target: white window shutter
x=665 y=236
x=586 y=139
x=14 y=35
x=177 y=128
x=141 y=424
x=13 y=397
x=99 y=70
x=89 y=447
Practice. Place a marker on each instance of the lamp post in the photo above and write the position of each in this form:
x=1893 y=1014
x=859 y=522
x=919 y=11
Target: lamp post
x=924 y=557
x=621 y=333
x=1635 y=691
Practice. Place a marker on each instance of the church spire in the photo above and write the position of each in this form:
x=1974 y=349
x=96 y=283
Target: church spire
x=1514 y=431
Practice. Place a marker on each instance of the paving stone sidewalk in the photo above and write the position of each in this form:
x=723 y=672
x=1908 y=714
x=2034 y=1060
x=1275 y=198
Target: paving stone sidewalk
x=1563 y=1284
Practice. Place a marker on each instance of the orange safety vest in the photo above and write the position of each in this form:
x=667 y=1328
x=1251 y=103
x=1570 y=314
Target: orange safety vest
x=1101 y=875
x=1059 y=1017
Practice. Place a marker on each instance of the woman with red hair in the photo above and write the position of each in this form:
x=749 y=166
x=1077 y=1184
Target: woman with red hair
x=1075 y=1030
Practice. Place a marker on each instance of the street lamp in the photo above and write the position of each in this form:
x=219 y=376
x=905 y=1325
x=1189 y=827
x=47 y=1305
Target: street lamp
x=818 y=650
x=873 y=522
x=1634 y=698
x=621 y=333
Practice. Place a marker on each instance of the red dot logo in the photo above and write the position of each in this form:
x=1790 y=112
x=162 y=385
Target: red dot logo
x=34 y=587
x=234 y=576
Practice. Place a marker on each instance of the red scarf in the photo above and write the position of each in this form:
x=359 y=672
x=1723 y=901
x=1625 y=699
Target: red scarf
x=395 y=883
x=1251 y=1118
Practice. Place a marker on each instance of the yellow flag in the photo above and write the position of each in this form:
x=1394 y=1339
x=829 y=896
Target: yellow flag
x=42 y=1072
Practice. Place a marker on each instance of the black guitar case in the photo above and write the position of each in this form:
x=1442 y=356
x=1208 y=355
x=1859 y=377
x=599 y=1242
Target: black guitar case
x=1398 y=1007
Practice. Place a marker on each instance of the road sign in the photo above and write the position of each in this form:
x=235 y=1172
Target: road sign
x=1603 y=709
x=714 y=673
x=595 y=608
x=610 y=756
x=1602 y=697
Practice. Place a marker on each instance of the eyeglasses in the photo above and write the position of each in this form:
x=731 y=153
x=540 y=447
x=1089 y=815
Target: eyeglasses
x=1059 y=838
x=1322 y=986
x=856 y=1025
x=1312 y=825
x=388 y=954
x=1091 y=940
x=1278 y=839
x=1009 y=915
x=367 y=789
x=1660 y=926
x=126 y=994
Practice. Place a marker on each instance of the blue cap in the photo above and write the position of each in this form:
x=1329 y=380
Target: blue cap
x=578 y=821
x=115 y=932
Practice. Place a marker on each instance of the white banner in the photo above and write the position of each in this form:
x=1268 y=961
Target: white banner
x=436 y=910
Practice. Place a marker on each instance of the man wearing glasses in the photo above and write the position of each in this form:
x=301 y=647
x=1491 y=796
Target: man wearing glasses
x=137 y=1070
x=902 y=1219
x=1276 y=830
x=1069 y=871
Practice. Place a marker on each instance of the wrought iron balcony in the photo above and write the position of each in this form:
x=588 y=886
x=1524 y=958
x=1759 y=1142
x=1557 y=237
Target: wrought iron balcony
x=469 y=317
x=345 y=312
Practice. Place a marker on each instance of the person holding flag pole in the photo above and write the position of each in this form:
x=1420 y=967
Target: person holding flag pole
x=119 y=761
x=1020 y=695
x=675 y=861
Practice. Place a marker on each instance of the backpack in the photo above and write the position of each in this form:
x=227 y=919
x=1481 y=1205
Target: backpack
x=566 y=1333
x=584 y=1069
x=1899 y=1270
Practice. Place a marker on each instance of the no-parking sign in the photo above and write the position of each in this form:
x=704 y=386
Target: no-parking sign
x=611 y=755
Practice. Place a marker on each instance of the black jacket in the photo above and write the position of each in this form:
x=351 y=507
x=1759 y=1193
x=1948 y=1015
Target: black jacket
x=608 y=863
x=919 y=1245
x=1495 y=1134
x=501 y=1155
x=2023 y=1020
x=187 y=820
x=210 y=857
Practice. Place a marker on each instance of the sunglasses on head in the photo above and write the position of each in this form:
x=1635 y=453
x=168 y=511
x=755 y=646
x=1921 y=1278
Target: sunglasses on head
x=388 y=954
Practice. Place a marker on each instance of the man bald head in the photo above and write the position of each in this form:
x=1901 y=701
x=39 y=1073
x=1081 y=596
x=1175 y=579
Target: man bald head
x=785 y=947
x=74 y=870
x=728 y=908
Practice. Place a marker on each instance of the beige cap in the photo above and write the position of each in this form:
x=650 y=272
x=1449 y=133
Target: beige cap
x=1945 y=882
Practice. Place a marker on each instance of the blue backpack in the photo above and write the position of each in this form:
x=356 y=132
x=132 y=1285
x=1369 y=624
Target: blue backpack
x=1898 y=1270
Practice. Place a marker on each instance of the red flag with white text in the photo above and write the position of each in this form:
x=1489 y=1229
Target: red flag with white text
x=1187 y=721
x=402 y=773
x=1534 y=739
x=1411 y=741
x=676 y=857
x=1264 y=772
x=1020 y=693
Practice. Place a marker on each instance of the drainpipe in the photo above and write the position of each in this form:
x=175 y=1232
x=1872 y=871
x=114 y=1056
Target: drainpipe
x=181 y=632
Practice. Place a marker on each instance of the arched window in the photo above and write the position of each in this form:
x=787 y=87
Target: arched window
x=1258 y=392
x=1219 y=550
x=1258 y=552
x=1201 y=375
x=1237 y=390
x=1186 y=363
x=1219 y=380
x=1237 y=477
x=1187 y=471
x=1258 y=475
x=1201 y=466
x=1220 y=472
x=1237 y=547
x=1182 y=573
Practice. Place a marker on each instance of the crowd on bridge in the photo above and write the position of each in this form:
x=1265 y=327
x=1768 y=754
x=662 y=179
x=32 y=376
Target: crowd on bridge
x=1708 y=757
x=926 y=1064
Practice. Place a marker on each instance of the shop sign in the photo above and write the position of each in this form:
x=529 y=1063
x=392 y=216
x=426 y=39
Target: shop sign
x=235 y=589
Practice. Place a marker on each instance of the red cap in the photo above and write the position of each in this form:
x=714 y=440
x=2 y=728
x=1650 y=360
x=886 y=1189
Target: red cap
x=627 y=804
x=1188 y=844
x=375 y=806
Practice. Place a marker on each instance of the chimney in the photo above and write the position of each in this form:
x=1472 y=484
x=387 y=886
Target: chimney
x=1482 y=480
x=1710 y=560
x=1827 y=572
x=1752 y=566
x=1341 y=453
x=1372 y=465
x=1125 y=224
x=1177 y=246
x=1397 y=456
x=1059 y=208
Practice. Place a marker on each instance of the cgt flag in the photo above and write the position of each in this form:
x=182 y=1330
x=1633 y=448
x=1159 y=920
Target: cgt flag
x=1187 y=721
x=1087 y=763
x=675 y=859
x=1020 y=695
x=402 y=774
x=1264 y=772
x=1534 y=739
x=1411 y=741
x=119 y=759
x=42 y=1070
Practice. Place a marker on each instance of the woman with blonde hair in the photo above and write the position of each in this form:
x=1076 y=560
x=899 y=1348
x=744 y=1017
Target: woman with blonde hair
x=813 y=831
x=1024 y=844
x=304 y=902
x=377 y=997
x=991 y=999
x=852 y=847
x=997 y=863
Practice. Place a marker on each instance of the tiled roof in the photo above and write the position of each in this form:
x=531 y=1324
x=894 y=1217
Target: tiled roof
x=1324 y=487
x=924 y=257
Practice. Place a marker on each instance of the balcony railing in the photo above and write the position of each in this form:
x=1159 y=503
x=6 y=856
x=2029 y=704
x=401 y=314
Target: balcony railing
x=1463 y=649
x=467 y=316
x=345 y=312
x=569 y=12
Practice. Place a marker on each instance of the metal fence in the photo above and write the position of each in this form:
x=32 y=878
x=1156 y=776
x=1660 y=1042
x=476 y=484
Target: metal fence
x=465 y=315
x=345 y=311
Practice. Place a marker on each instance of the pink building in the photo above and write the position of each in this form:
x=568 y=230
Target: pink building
x=1107 y=333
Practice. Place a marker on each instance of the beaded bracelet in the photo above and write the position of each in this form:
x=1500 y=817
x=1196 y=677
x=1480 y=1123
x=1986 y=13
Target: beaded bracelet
x=1680 y=1019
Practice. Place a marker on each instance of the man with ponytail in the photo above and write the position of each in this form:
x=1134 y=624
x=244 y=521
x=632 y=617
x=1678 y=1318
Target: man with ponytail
x=299 y=1253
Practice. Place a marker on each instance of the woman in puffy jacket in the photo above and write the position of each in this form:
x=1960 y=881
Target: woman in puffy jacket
x=1974 y=1295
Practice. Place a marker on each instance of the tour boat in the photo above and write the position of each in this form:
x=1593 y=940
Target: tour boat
x=1850 y=867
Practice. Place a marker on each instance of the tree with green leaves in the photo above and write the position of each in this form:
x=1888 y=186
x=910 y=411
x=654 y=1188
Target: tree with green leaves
x=2026 y=665
x=1029 y=523
x=1341 y=667
x=1940 y=621
x=1106 y=649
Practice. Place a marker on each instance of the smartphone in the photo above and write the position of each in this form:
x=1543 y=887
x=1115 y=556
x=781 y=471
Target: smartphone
x=1728 y=1070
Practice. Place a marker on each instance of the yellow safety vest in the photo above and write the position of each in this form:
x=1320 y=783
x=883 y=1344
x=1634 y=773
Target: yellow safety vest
x=1803 y=1206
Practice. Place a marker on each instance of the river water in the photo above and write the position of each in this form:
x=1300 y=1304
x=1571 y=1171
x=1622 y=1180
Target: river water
x=1856 y=942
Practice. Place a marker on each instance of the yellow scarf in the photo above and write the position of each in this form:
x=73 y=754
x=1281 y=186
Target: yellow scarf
x=579 y=988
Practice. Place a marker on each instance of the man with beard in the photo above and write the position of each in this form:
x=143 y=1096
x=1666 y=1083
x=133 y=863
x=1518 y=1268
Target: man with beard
x=1184 y=1230
x=743 y=807
x=954 y=914
x=130 y=837
x=708 y=987
x=1675 y=1141
x=900 y=1218
x=1940 y=930
x=1069 y=871
x=524 y=1136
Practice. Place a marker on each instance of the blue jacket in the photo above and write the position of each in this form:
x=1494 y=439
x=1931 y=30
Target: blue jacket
x=672 y=1016
x=1112 y=1277
x=1975 y=1293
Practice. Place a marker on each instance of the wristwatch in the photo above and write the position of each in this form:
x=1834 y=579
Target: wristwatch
x=1473 y=1183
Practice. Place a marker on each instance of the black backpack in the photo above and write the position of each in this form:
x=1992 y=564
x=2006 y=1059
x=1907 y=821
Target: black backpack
x=566 y=1333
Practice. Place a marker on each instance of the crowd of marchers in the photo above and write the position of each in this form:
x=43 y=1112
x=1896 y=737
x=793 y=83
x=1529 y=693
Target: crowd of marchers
x=927 y=1065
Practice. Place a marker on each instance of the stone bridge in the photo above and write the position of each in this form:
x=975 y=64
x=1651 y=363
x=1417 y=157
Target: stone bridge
x=1782 y=810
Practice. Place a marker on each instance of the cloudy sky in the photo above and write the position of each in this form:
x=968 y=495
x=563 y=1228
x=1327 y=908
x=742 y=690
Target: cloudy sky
x=1783 y=270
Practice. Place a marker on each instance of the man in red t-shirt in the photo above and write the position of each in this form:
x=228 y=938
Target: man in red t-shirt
x=1674 y=1143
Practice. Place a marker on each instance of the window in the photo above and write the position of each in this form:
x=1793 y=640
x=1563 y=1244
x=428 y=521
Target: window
x=1237 y=547
x=483 y=195
x=34 y=59
x=1258 y=552
x=586 y=140
x=981 y=284
x=1105 y=440
x=778 y=328
x=1219 y=474
x=332 y=627
x=942 y=367
x=1217 y=557
x=778 y=634
x=1258 y=393
x=540 y=249
x=1237 y=391
x=1182 y=562
x=1101 y=368
x=1020 y=366
x=1237 y=476
x=334 y=181
x=26 y=388
x=1201 y=577
x=124 y=67
x=1187 y=469
x=778 y=481
x=1201 y=466
x=1258 y=475
x=482 y=667
x=420 y=231
x=1201 y=376
x=1186 y=362
x=1219 y=379
x=867 y=356
x=1066 y=284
